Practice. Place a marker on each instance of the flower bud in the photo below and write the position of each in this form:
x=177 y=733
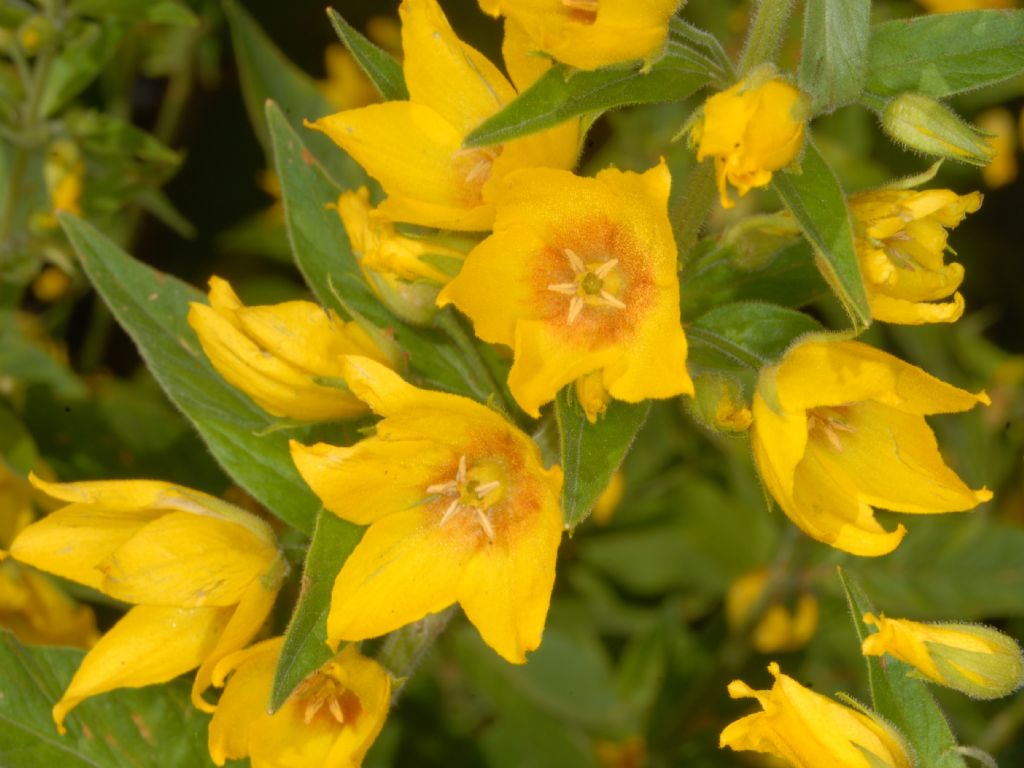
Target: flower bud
x=977 y=660
x=719 y=403
x=922 y=123
x=34 y=33
x=592 y=395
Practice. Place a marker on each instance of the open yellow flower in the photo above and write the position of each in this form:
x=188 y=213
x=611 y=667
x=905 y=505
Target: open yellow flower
x=752 y=129
x=977 y=660
x=779 y=628
x=839 y=427
x=580 y=276
x=275 y=354
x=810 y=730
x=900 y=238
x=588 y=34
x=329 y=721
x=414 y=148
x=459 y=508
x=202 y=576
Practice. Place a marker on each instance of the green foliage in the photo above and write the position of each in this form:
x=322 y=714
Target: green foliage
x=79 y=63
x=380 y=66
x=835 y=48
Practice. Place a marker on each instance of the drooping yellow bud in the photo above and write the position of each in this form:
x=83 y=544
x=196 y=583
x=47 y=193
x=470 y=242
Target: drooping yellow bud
x=779 y=628
x=977 y=660
x=900 y=236
x=279 y=354
x=753 y=129
x=810 y=730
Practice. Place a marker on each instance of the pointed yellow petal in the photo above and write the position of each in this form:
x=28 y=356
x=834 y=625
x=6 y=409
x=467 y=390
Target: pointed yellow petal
x=367 y=680
x=246 y=620
x=148 y=645
x=525 y=64
x=779 y=441
x=405 y=567
x=126 y=495
x=383 y=475
x=187 y=560
x=654 y=366
x=242 y=707
x=506 y=587
x=444 y=73
x=890 y=310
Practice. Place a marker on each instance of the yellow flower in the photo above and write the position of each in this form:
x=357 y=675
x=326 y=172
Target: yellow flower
x=900 y=239
x=952 y=6
x=588 y=34
x=201 y=574
x=839 y=427
x=779 y=629
x=592 y=395
x=580 y=276
x=329 y=721
x=405 y=272
x=609 y=499
x=1002 y=169
x=459 y=508
x=810 y=730
x=64 y=174
x=276 y=354
x=753 y=129
x=977 y=660
x=414 y=148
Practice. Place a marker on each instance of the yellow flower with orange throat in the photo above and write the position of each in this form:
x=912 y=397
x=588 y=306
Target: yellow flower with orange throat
x=200 y=574
x=974 y=659
x=588 y=34
x=278 y=355
x=901 y=240
x=752 y=130
x=459 y=508
x=839 y=428
x=414 y=148
x=330 y=721
x=580 y=277
x=811 y=731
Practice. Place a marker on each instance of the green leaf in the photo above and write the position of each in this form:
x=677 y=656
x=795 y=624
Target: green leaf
x=17 y=448
x=152 y=308
x=78 y=64
x=835 y=50
x=266 y=73
x=324 y=256
x=380 y=66
x=818 y=204
x=26 y=359
x=562 y=93
x=154 y=726
x=945 y=53
x=305 y=642
x=903 y=700
x=168 y=12
x=592 y=452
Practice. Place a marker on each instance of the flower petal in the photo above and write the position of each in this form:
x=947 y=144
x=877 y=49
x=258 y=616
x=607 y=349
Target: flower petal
x=242 y=706
x=150 y=644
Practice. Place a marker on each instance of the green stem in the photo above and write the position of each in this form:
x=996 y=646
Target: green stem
x=765 y=36
x=405 y=648
x=448 y=322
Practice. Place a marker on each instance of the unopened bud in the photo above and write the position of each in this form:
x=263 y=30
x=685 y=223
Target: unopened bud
x=924 y=124
x=34 y=33
x=719 y=403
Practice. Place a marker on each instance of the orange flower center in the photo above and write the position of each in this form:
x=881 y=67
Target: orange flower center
x=474 y=491
x=594 y=284
x=324 y=694
x=583 y=11
x=829 y=424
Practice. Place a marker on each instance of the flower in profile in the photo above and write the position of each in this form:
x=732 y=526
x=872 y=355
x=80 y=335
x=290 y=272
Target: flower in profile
x=839 y=428
x=810 y=730
x=414 y=148
x=201 y=574
x=579 y=277
x=588 y=34
x=977 y=660
x=900 y=239
x=330 y=720
x=778 y=629
x=752 y=129
x=278 y=354
x=405 y=272
x=459 y=508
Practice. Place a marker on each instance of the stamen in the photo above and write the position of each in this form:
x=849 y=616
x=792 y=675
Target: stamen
x=485 y=523
x=574 y=260
x=612 y=301
x=483 y=490
x=335 y=706
x=605 y=268
x=443 y=488
x=575 y=307
x=566 y=289
x=449 y=513
x=468 y=496
x=460 y=476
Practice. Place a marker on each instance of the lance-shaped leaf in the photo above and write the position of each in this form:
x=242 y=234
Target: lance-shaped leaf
x=903 y=700
x=561 y=93
x=835 y=50
x=305 y=643
x=380 y=66
x=79 y=62
x=945 y=53
x=266 y=73
x=324 y=256
x=818 y=204
x=152 y=308
x=125 y=727
x=590 y=453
